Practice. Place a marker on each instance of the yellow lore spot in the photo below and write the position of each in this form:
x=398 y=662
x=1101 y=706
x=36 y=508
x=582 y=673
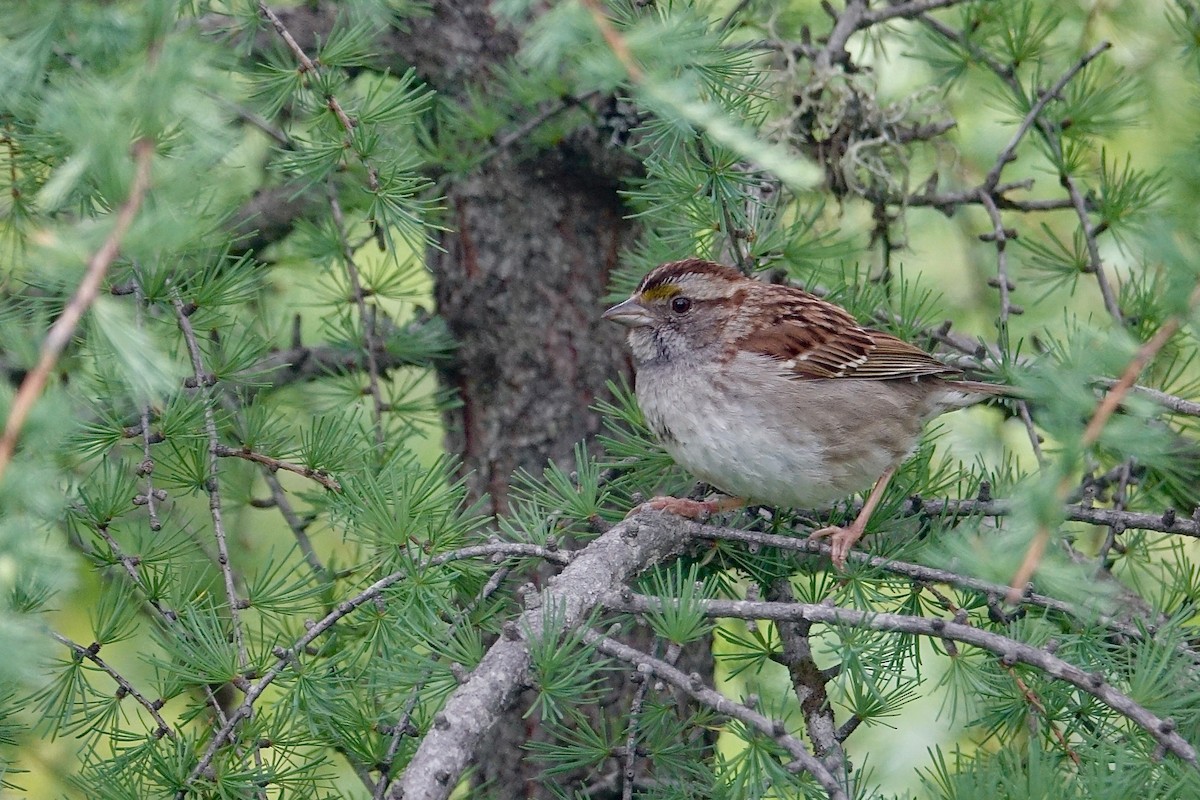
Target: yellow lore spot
x=660 y=292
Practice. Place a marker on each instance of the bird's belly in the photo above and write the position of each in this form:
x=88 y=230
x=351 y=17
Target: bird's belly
x=744 y=444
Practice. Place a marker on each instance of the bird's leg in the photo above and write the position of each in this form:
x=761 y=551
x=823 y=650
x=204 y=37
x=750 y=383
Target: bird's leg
x=842 y=539
x=691 y=509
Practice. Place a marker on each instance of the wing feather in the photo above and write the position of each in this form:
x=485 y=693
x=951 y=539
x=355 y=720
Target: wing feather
x=816 y=339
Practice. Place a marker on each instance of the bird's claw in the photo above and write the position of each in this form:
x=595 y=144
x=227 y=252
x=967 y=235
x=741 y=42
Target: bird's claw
x=840 y=540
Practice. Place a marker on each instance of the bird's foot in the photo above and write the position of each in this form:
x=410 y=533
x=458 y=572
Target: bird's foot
x=687 y=508
x=841 y=540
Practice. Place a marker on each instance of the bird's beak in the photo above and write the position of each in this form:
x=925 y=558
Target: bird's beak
x=630 y=313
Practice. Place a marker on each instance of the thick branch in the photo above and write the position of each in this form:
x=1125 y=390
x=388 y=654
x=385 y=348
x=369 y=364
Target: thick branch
x=474 y=707
x=808 y=682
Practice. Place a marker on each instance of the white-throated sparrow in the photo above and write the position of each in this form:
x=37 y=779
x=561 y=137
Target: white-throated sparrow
x=774 y=395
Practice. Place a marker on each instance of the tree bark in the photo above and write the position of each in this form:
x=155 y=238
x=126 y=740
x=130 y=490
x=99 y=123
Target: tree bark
x=520 y=280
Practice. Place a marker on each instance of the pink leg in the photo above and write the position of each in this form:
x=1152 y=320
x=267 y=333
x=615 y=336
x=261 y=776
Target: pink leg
x=842 y=539
x=692 y=509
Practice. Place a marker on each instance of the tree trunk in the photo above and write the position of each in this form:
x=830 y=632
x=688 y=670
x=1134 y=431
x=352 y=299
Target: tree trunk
x=520 y=282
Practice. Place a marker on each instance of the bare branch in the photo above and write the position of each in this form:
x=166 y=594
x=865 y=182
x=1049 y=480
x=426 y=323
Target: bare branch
x=906 y=10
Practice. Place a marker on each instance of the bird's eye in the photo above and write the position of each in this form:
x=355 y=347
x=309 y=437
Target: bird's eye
x=681 y=305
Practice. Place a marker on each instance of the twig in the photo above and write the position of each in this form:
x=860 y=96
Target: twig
x=124 y=687
x=1120 y=496
x=502 y=143
x=367 y=320
x=912 y=8
x=298 y=526
x=61 y=331
x=214 y=489
x=254 y=119
x=737 y=9
x=307 y=65
x=284 y=657
x=1010 y=650
x=947 y=202
x=214 y=507
x=641 y=676
x=146 y=467
x=694 y=686
x=845 y=25
x=1009 y=153
x=320 y=476
x=404 y=727
x=1170 y=402
x=614 y=41
x=1033 y=700
x=925 y=574
x=1110 y=403
x=300 y=363
x=999 y=236
x=1049 y=134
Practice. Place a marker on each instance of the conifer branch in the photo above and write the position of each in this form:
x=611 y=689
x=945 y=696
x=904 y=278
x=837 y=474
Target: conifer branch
x=366 y=318
x=1050 y=135
x=1009 y=153
x=1091 y=434
x=124 y=687
x=214 y=487
x=298 y=526
x=273 y=464
x=694 y=686
x=405 y=727
x=641 y=676
x=1037 y=705
x=932 y=575
x=1009 y=650
x=214 y=507
x=809 y=683
x=286 y=656
x=307 y=65
x=146 y=467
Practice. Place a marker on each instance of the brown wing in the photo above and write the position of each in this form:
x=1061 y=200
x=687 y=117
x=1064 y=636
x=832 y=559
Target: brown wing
x=817 y=339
